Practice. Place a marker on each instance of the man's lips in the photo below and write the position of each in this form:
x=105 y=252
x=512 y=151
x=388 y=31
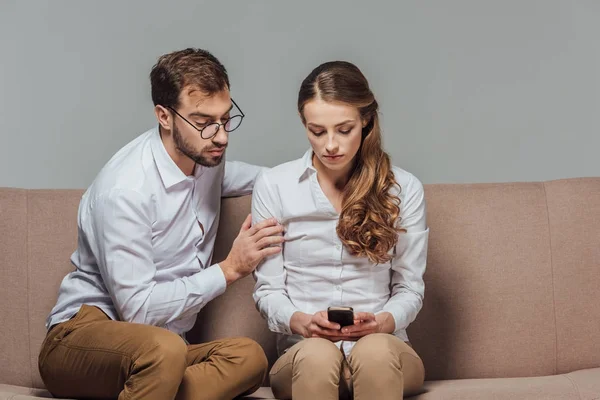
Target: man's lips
x=217 y=151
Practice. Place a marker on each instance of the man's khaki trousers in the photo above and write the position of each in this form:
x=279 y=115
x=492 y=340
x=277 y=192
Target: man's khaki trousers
x=92 y=356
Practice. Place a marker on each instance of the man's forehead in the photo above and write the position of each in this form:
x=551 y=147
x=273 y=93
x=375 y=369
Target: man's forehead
x=196 y=98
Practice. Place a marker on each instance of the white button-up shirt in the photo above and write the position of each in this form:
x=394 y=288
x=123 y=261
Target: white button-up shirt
x=146 y=233
x=315 y=271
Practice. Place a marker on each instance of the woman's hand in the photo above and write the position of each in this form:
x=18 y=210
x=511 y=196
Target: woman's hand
x=368 y=323
x=316 y=325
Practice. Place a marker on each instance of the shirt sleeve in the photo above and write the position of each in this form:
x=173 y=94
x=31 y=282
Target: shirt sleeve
x=270 y=293
x=121 y=228
x=410 y=259
x=239 y=178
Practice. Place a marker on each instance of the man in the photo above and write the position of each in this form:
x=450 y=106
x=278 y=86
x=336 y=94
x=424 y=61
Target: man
x=147 y=227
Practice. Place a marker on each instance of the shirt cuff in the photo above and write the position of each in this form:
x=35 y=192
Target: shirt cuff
x=279 y=322
x=398 y=315
x=286 y=316
x=211 y=282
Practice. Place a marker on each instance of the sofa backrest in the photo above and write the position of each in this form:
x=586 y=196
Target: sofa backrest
x=38 y=234
x=512 y=280
x=511 y=284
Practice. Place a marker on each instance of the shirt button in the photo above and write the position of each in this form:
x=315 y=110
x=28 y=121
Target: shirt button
x=338 y=287
x=338 y=247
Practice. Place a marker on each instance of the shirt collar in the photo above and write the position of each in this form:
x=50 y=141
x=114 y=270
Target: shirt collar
x=169 y=172
x=307 y=168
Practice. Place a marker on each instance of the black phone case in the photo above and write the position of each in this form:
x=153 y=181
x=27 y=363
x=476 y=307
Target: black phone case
x=342 y=317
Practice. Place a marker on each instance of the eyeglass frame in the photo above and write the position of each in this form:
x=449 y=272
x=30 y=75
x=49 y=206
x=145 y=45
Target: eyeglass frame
x=219 y=125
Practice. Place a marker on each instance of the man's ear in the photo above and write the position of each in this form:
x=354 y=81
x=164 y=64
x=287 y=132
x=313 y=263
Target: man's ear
x=163 y=116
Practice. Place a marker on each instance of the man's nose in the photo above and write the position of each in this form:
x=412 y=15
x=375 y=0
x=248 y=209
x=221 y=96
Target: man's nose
x=222 y=137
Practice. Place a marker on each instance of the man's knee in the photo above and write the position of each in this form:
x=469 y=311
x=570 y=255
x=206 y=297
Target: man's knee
x=255 y=355
x=249 y=357
x=163 y=350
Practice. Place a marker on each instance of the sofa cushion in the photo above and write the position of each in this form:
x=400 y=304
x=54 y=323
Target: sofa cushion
x=580 y=385
x=9 y=392
x=262 y=393
x=587 y=382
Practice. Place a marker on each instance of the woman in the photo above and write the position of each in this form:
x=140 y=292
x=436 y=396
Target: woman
x=355 y=235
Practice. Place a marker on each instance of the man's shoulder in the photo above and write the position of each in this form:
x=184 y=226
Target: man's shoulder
x=128 y=170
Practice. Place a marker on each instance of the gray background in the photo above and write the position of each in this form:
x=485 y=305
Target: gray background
x=470 y=90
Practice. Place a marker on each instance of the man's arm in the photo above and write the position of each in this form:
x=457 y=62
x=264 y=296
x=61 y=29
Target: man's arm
x=122 y=243
x=239 y=178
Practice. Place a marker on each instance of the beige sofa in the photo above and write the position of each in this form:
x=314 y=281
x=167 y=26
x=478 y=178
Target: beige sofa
x=512 y=305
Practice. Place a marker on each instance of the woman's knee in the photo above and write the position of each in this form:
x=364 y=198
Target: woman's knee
x=319 y=353
x=316 y=368
x=375 y=350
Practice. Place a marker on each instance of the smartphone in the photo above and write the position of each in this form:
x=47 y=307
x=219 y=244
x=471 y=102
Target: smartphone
x=341 y=315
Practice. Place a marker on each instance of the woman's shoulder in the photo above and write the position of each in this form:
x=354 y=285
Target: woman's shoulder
x=408 y=182
x=283 y=172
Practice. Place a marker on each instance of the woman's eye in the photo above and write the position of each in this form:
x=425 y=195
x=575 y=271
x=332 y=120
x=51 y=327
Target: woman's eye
x=317 y=133
x=345 y=131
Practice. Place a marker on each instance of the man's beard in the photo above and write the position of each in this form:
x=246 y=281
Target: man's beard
x=187 y=149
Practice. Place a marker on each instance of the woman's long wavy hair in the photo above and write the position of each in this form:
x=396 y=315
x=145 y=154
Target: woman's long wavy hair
x=368 y=224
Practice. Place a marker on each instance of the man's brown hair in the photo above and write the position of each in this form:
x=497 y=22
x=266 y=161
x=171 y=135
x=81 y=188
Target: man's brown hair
x=195 y=68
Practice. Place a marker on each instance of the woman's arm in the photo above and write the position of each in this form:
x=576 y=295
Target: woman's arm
x=270 y=293
x=410 y=259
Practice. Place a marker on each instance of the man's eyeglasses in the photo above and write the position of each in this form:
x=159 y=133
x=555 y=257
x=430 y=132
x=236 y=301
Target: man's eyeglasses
x=211 y=130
